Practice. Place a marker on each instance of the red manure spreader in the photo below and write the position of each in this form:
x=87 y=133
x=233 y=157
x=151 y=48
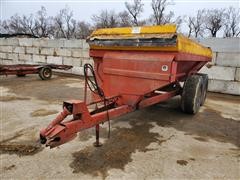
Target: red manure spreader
x=134 y=68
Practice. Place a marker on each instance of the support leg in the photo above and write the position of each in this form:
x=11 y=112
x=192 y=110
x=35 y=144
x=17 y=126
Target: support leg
x=97 y=143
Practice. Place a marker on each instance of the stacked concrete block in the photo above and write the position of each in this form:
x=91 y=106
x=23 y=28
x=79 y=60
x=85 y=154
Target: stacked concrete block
x=227 y=87
x=54 y=60
x=74 y=44
x=76 y=53
x=77 y=71
x=39 y=58
x=3 y=55
x=32 y=50
x=19 y=50
x=62 y=52
x=222 y=44
x=25 y=42
x=13 y=57
x=42 y=50
x=25 y=57
x=220 y=72
x=228 y=59
x=6 y=49
x=237 y=76
x=224 y=71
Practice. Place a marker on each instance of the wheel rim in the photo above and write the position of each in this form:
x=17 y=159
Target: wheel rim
x=46 y=73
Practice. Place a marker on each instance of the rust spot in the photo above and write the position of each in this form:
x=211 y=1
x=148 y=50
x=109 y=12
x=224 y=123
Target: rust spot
x=182 y=162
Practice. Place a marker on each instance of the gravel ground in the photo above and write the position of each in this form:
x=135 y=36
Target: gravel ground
x=157 y=142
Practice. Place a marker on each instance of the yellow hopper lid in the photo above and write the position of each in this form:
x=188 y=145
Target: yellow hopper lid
x=145 y=38
x=133 y=31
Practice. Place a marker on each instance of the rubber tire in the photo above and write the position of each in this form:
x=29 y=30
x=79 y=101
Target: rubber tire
x=204 y=87
x=21 y=75
x=45 y=73
x=192 y=94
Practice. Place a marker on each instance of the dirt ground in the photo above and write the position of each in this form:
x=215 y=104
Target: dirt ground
x=157 y=142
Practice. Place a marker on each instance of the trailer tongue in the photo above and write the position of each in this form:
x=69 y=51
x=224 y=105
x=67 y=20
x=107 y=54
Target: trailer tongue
x=133 y=68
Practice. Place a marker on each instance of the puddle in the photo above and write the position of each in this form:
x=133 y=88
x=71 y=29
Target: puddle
x=116 y=152
x=182 y=162
x=43 y=112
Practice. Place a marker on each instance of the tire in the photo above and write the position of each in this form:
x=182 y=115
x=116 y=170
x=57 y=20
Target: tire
x=192 y=94
x=45 y=73
x=204 y=87
x=21 y=75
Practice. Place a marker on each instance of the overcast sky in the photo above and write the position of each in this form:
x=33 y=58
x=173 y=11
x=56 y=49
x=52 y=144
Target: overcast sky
x=83 y=9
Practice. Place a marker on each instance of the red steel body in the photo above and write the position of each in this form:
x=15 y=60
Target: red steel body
x=130 y=80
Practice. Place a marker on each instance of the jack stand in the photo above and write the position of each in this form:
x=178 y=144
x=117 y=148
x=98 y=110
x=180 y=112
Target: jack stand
x=97 y=143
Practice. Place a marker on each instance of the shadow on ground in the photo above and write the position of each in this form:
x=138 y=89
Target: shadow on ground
x=116 y=151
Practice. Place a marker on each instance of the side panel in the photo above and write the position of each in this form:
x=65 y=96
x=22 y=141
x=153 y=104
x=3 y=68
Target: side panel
x=133 y=74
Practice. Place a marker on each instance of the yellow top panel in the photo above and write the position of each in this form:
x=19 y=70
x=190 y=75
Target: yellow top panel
x=131 y=31
x=161 y=38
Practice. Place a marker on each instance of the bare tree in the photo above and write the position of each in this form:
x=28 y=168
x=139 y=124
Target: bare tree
x=4 y=27
x=190 y=26
x=18 y=24
x=159 y=8
x=105 y=19
x=135 y=10
x=13 y=25
x=124 y=19
x=232 y=22
x=178 y=21
x=196 y=24
x=214 y=20
x=28 y=24
x=83 y=30
x=42 y=23
x=66 y=25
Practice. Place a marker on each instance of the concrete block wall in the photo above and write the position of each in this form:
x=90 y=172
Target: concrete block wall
x=37 y=51
x=224 y=71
